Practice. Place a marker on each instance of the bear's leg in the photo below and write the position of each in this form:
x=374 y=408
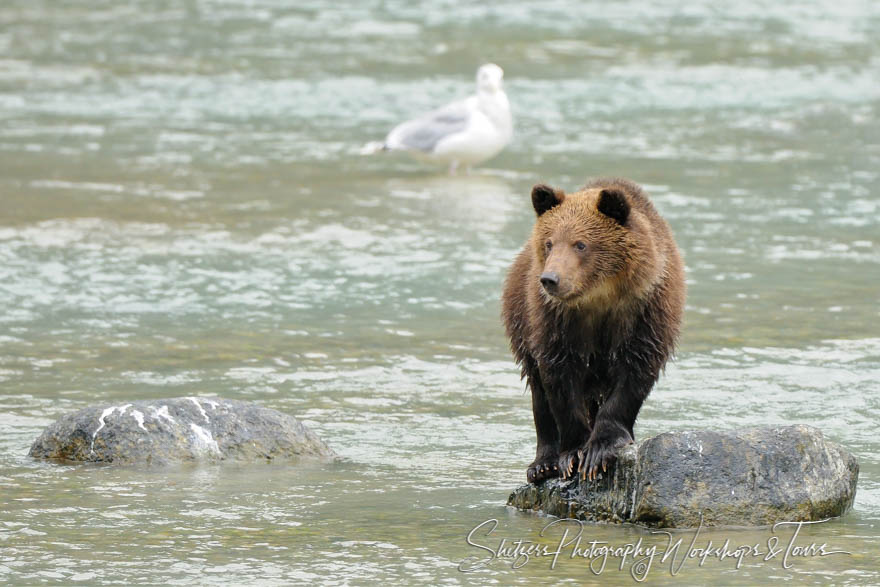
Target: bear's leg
x=544 y=466
x=573 y=421
x=630 y=379
x=614 y=423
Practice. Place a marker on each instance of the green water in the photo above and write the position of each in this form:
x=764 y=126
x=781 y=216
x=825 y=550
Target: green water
x=183 y=211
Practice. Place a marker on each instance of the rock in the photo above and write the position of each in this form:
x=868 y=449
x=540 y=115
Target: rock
x=173 y=430
x=748 y=477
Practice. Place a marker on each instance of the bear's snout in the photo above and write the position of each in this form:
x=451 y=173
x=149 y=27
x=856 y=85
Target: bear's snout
x=550 y=281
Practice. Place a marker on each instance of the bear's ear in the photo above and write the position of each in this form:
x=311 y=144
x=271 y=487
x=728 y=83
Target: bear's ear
x=613 y=204
x=544 y=197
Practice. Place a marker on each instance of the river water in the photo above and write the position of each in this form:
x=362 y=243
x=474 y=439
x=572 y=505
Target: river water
x=183 y=211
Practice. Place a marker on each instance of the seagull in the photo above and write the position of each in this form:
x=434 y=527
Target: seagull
x=467 y=131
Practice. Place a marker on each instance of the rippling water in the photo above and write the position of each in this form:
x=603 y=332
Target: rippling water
x=183 y=212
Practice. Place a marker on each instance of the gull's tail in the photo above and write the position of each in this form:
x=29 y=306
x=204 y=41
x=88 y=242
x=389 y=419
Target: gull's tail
x=373 y=147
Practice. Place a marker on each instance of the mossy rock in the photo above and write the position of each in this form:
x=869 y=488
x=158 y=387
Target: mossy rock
x=748 y=477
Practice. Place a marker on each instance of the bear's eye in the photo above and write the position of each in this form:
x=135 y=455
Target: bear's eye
x=580 y=246
x=548 y=245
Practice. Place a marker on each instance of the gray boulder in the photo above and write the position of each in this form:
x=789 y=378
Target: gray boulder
x=173 y=430
x=748 y=477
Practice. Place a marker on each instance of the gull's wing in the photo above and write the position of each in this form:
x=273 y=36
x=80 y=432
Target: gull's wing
x=423 y=133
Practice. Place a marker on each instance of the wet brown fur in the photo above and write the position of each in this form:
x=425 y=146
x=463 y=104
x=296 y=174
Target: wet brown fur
x=592 y=352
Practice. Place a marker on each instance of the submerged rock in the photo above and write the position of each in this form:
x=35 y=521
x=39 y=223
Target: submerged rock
x=179 y=429
x=748 y=477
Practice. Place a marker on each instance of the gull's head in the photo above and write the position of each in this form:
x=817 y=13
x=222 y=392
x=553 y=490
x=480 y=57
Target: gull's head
x=490 y=78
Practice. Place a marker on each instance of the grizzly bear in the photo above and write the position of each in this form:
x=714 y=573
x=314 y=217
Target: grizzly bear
x=593 y=307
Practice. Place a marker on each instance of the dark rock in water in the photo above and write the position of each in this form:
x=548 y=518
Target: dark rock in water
x=749 y=477
x=179 y=429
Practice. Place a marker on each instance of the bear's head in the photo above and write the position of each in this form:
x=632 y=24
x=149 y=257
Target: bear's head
x=589 y=246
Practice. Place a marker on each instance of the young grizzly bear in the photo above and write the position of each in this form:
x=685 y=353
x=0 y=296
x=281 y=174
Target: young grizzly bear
x=592 y=306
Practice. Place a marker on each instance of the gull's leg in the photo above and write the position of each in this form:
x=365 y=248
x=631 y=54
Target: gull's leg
x=453 y=167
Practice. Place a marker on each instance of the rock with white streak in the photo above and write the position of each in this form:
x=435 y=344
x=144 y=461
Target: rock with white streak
x=176 y=430
x=745 y=477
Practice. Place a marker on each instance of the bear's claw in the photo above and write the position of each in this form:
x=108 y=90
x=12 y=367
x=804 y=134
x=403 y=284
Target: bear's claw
x=567 y=463
x=596 y=455
x=538 y=471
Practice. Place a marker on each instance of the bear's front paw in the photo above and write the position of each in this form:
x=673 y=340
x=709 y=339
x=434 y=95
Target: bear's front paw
x=542 y=469
x=600 y=452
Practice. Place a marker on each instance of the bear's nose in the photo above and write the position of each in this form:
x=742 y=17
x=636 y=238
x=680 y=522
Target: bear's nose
x=550 y=279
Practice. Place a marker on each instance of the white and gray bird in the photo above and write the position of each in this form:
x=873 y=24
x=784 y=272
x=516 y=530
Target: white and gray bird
x=465 y=132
